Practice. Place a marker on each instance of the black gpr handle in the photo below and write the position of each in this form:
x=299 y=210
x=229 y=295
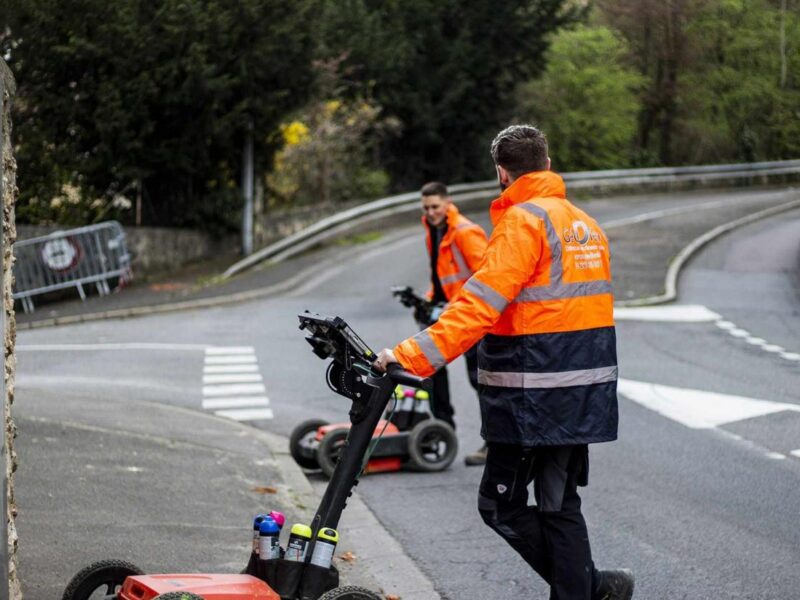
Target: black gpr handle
x=399 y=375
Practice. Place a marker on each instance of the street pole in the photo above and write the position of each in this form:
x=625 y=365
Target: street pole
x=247 y=190
x=4 y=583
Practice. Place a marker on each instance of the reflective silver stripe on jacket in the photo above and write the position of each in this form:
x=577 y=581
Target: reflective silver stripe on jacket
x=463 y=270
x=487 y=294
x=548 y=380
x=429 y=349
x=564 y=290
x=557 y=289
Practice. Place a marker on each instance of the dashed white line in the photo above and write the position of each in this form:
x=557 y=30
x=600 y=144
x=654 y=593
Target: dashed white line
x=776 y=455
x=232 y=378
x=772 y=348
x=795 y=453
x=790 y=355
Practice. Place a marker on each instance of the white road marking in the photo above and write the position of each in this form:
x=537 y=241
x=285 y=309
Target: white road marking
x=222 y=350
x=790 y=355
x=696 y=408
x=676 y=313
x=227 y=360
x=232 y=378
x=246 y=414
x=755 y=341
x=776 y=455
x=235 y=402
x=795 y=453
x=739 y=333
x=772 y=348
x=230 y=368
x=234 y=389
x=725 y=324
x=121 y=346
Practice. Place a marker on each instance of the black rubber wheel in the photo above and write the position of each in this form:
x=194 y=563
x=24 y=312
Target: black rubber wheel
x=302 y=437
x=100 y=580
x=330 y=449
x=179 y=596
x=432 y=445
x=350 y=592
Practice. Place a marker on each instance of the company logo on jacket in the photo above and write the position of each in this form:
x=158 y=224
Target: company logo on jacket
x=580 y=233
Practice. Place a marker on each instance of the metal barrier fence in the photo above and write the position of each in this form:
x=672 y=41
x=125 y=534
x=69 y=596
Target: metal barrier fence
x=616 y=179
x=95 y=254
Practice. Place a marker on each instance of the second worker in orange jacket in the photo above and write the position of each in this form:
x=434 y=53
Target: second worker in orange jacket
x=455 y=247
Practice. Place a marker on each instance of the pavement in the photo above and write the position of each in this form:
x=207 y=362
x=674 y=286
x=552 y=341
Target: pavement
x=103 y=462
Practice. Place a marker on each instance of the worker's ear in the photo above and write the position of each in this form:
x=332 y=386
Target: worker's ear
x=548 y=164
x=503 y=177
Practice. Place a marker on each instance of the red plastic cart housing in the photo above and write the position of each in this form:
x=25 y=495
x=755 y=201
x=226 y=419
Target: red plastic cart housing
x=209 y=586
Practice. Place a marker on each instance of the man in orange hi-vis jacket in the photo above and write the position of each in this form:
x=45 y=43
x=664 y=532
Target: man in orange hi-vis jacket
x=542 y=305
x=455 y=247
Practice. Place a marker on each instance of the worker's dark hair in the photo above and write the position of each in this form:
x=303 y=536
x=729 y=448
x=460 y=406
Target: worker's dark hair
x=434 y=188
x=520 y=149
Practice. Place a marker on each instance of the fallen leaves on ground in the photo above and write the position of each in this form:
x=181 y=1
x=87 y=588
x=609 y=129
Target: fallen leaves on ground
x=265 y=489
x=347 y=556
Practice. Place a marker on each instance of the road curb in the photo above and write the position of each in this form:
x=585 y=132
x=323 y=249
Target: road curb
x=673 y=272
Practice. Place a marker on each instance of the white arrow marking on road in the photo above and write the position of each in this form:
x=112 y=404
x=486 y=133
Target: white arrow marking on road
x=698 y=409
x=675 y=313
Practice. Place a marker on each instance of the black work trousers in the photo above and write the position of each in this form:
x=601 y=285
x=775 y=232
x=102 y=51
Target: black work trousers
x=441 y=407
x=551 y=536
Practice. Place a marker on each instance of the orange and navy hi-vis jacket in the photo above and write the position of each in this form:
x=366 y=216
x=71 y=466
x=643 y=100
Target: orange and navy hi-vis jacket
x=460 y=251
x=542 y=302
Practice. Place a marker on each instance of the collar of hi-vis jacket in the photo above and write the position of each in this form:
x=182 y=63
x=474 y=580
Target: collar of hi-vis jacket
x=452 y=224
x=539 y=184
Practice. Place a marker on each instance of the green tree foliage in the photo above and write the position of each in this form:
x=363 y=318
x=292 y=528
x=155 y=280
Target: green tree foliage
x=587 y=100
x=151 y=93
x=446 y=69
x=327 y=152
x=722 y=77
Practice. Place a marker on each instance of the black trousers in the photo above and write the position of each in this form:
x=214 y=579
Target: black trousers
x=551 y=536
x=441 y=405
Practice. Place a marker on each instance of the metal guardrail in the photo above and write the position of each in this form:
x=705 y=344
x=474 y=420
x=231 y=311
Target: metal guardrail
x=616 y=179
x=94 y=254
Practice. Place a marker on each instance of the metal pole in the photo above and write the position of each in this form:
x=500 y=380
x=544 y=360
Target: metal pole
x=247 y=190
x=4 y=542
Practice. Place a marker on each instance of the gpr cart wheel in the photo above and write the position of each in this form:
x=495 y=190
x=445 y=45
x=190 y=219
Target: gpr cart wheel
x=350 y=592
x=179 y=596
x=302 y=443
x=330 y=449
x=100 y=580
x=432 y=445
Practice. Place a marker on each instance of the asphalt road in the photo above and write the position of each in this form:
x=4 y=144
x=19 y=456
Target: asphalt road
x=698 y=496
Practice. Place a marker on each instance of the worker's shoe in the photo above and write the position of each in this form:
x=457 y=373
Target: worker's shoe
x=476 y=458
x=614 y=584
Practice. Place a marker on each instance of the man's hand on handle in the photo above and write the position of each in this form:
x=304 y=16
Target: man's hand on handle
x=385 y=357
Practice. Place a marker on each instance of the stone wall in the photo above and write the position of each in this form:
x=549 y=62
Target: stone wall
x=8 y=190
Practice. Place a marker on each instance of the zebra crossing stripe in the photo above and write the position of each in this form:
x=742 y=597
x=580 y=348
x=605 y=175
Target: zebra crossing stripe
x=246 y=414
x=234 y=389
x=227 y=350
x=232 y=378
x=235 y=402
x=230 y=369
x=235 y=359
